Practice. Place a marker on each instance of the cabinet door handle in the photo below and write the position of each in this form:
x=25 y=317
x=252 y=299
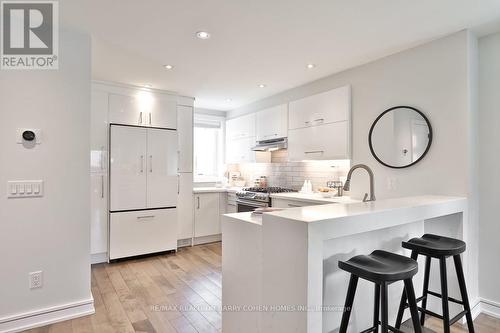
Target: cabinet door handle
x=198 y=203
x=150 y=118
x=178 y=160
x=140 y=118
x=320 y=120
x=150 y=163
x=292 y=205
x=145 y=217
x=102 y=186
x=178 y=183
x=314 y=152
x=102 y=158
x=142 y=163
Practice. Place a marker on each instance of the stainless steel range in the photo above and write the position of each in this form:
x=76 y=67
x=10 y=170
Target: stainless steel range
x=251 y=198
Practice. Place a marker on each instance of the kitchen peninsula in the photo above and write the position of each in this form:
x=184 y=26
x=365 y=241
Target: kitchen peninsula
x=280 y=270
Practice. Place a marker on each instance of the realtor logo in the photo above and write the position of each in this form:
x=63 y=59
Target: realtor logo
x=30 y=35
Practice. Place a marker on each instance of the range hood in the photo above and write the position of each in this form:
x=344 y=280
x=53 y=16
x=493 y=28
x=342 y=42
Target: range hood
x=271 y=145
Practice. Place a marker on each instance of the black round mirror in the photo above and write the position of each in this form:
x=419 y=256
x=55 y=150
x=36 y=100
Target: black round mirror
x=400 y=137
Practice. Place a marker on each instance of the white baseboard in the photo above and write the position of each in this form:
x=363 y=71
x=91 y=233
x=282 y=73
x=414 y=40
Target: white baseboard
x=490 y=308
x=184 y=242
x=98 y=258
x=207 y=239
x=28 y=320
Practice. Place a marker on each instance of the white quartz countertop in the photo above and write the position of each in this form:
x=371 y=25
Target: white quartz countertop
x=313 y=198
x=340 y=211
x=213 y=189
x=246 y=217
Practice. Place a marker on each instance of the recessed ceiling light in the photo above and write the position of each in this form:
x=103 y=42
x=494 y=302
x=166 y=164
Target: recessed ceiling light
x=311 y=66
x=203 y=35
x=168 y=66
x=262 y=85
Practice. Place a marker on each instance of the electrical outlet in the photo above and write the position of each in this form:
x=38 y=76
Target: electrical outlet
x=36 y=279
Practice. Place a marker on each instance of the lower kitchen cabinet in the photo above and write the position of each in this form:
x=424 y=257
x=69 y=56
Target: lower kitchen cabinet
x=206 y=214
x=284 y=203
x=185 y=206
x=141 y=232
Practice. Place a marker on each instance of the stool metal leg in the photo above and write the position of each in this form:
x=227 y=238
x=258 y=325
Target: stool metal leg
x=444 y=295
x=384 y=311
x=463 y=292
x=412 y=304
x=426 y=288
x=351 y=291
x=402 y=304
x=376 y=307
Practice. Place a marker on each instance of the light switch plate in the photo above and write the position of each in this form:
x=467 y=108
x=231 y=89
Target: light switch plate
x=38 y=135
x=24 y=188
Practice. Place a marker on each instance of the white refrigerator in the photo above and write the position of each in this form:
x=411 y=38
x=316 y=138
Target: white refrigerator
x=144 y=185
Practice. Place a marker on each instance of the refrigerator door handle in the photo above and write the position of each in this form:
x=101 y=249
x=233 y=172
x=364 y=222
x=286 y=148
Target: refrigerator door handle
x=140 y=118
x=178 y=183
x=150 y=118
x=142 y=163
x=150 y=163
x=102 y=186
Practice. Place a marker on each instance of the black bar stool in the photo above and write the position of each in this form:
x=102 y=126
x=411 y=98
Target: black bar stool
x=434 y=246
x=381 y=268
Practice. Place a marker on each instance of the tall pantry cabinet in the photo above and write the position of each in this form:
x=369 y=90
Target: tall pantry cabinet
x=140 y=155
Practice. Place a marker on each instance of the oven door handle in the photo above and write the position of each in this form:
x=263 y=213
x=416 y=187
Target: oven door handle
x=252 y=203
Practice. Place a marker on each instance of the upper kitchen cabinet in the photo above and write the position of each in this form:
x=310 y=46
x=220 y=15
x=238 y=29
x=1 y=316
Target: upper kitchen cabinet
x=320 y=126
x=272 y=123
x=328 y=107
x=325 y=142
x=185 y=134
x=143 y=108
x=98 y=131
x=241 y=127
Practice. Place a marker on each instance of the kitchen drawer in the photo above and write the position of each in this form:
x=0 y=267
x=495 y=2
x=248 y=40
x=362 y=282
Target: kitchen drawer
x=325 y=142
x=142 y=232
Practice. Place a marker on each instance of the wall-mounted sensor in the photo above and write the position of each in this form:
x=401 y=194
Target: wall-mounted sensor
x=29 y=136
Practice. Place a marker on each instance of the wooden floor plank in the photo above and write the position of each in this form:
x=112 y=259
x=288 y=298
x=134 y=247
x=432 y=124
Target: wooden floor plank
x=174 y=293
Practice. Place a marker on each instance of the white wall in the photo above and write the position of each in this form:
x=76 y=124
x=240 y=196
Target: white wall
x=489 y=170
x=436 y=78
x=50 y=233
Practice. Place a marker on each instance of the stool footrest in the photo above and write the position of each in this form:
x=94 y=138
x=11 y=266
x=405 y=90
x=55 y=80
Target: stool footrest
x=430 y=313
x=457 y=317
x=368 y=330
x=451 y=299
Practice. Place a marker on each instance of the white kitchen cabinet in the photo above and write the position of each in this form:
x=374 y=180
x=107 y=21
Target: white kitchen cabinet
x=99 y=213
x=272 y=123
x=143 y=109
x=185 y=132
x=241 y=127
x=98 y=131
x=206 y=214
x=185 y=203
x=325 y=142
x=162 y=168
x=141 y=232
x=128 y=168
x=143 y=168
x=231 y=206
x=284 y=203
x=324 y=108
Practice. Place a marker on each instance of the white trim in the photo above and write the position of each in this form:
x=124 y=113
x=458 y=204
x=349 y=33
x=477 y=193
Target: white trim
x=490 y=308
x=43 y=317
x=98 y=258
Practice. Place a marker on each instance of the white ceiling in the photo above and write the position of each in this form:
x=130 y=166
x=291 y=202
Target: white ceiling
x=256 y=41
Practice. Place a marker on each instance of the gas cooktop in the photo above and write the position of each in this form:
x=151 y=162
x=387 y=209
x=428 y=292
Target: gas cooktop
x=272 y=189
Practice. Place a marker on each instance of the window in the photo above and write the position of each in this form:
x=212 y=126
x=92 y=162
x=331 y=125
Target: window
x=208 y=148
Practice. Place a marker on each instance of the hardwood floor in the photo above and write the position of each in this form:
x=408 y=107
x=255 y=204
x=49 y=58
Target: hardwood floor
x=172 y=293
